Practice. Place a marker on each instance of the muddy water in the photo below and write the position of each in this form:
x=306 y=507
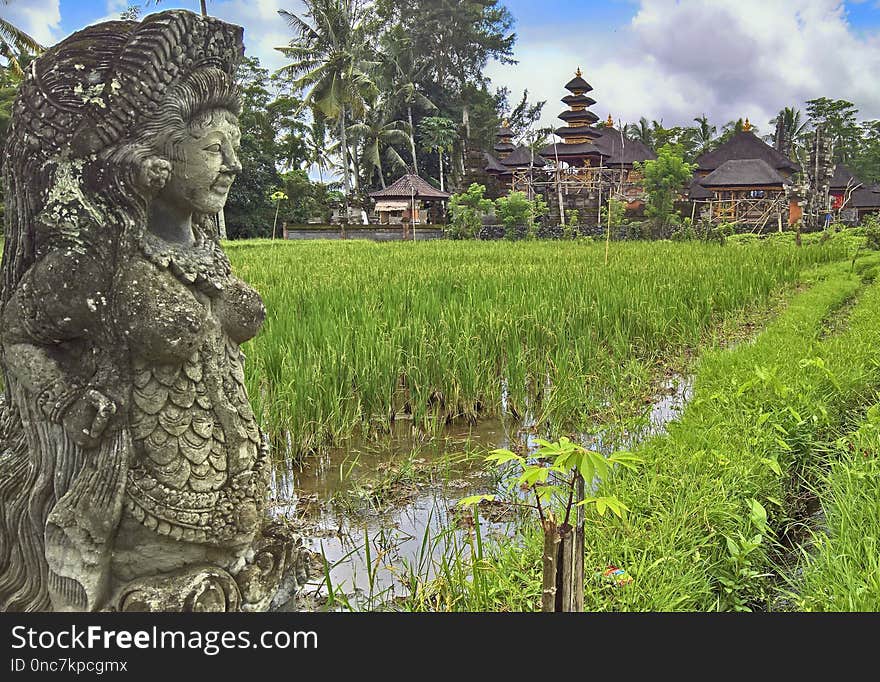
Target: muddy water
x=396 y=499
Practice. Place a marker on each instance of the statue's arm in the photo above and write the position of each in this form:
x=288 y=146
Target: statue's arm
x=47 y=331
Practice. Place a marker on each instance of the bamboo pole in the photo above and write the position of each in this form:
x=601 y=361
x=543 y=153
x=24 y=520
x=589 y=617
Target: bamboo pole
x=551 y=547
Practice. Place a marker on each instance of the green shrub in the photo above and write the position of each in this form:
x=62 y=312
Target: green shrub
x=468 y=209
x=516 y=210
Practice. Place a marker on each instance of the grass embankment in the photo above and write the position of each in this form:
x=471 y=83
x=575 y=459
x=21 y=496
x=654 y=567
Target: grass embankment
x=717 y=495
x=360 y=332
x=841 y=565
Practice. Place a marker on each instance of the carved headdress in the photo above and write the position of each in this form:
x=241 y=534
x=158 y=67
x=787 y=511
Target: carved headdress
x=91 y=114
x=91 y=108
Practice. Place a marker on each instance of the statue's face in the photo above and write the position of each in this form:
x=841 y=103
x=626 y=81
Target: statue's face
x=207 y=164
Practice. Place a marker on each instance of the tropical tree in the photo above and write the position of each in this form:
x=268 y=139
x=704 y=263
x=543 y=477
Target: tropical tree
x=838 y=118
x=789 y=129
x=377 y=133
x=405 y=72
x=438 y=135
x=704 y=134
x=640 y=131
x=329 y=56
x=665 y=179
x=319 y=149
x=13 y=42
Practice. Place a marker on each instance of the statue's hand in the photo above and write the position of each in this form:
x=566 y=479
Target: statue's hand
x=86 y=419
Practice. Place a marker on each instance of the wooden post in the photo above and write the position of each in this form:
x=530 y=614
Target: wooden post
x=551 y=548
x=578 y=599
x=565 y=569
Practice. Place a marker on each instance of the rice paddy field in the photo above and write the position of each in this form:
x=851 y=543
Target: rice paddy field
x=360 y=334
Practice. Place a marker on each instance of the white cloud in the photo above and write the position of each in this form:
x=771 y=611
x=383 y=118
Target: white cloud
x=40 y=19
x=727 y=58
x=264 y=28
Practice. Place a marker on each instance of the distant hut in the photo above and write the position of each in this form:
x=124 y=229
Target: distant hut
x=409 y=199
x=850 y=197
x=744 y=181
x=865 y=200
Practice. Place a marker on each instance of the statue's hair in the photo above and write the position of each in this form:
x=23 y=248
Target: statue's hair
x=90 y=112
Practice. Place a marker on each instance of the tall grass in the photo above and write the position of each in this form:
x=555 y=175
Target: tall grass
x=716 y=496
x=358 y=332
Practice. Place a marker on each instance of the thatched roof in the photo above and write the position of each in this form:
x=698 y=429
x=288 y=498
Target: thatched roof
x=745 y=145
x=866 y=197
x=697 y=191
x=523 y=158
x=578 y=131
x=844 y=178
x=402 y=188
x=578 y=84
x=576 y=100
x=493 y=165
x=743 y=173
x=580 y=115
x=504 y=147
x=623 y=152
x=551 y=151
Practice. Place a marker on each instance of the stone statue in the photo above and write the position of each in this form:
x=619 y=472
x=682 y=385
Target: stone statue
x=133 y=475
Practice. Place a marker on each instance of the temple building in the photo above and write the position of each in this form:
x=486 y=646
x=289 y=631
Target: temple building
x=851 y=198
x=749 y=182
x=590 y=163
x=410 y=200
x=745 y=181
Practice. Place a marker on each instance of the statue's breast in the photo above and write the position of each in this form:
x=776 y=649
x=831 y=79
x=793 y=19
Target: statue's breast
x=240 y=310
x=162 y=318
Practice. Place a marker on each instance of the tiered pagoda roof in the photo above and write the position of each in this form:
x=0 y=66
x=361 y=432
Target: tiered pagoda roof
x=578 y=118
x=504 y=145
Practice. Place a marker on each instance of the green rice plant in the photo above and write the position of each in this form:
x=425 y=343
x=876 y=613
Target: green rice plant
x=361 y=334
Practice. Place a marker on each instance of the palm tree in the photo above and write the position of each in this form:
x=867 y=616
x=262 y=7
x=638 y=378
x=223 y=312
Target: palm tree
x=318 y=150
x=704 y=134
x=790 y=126
x=13 y=42
x=640 y=131
x=438 y=135
x=404 y=74
x=329 y=57
x=377 y=132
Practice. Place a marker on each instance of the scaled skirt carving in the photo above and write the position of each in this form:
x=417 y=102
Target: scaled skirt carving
x=133 y=475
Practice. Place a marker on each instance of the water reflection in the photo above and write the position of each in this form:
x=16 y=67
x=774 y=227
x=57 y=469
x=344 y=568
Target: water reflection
x=377 y=512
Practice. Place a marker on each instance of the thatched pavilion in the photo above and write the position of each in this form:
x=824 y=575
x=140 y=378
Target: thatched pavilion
x=410 y=199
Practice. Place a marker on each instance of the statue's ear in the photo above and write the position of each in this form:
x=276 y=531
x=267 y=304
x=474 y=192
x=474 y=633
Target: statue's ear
x=153 y=173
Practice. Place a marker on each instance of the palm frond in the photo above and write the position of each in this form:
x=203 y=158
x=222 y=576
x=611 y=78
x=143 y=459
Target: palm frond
x=394 y=159
x=300 y=27
x=18 y=38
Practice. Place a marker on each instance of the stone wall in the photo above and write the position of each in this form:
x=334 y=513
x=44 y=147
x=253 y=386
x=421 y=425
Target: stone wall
x=373 y=233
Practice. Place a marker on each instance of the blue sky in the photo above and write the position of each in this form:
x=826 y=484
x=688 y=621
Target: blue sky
x=668 y=60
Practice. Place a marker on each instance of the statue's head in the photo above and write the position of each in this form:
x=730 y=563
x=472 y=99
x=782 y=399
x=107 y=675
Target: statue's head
x=119 y=115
